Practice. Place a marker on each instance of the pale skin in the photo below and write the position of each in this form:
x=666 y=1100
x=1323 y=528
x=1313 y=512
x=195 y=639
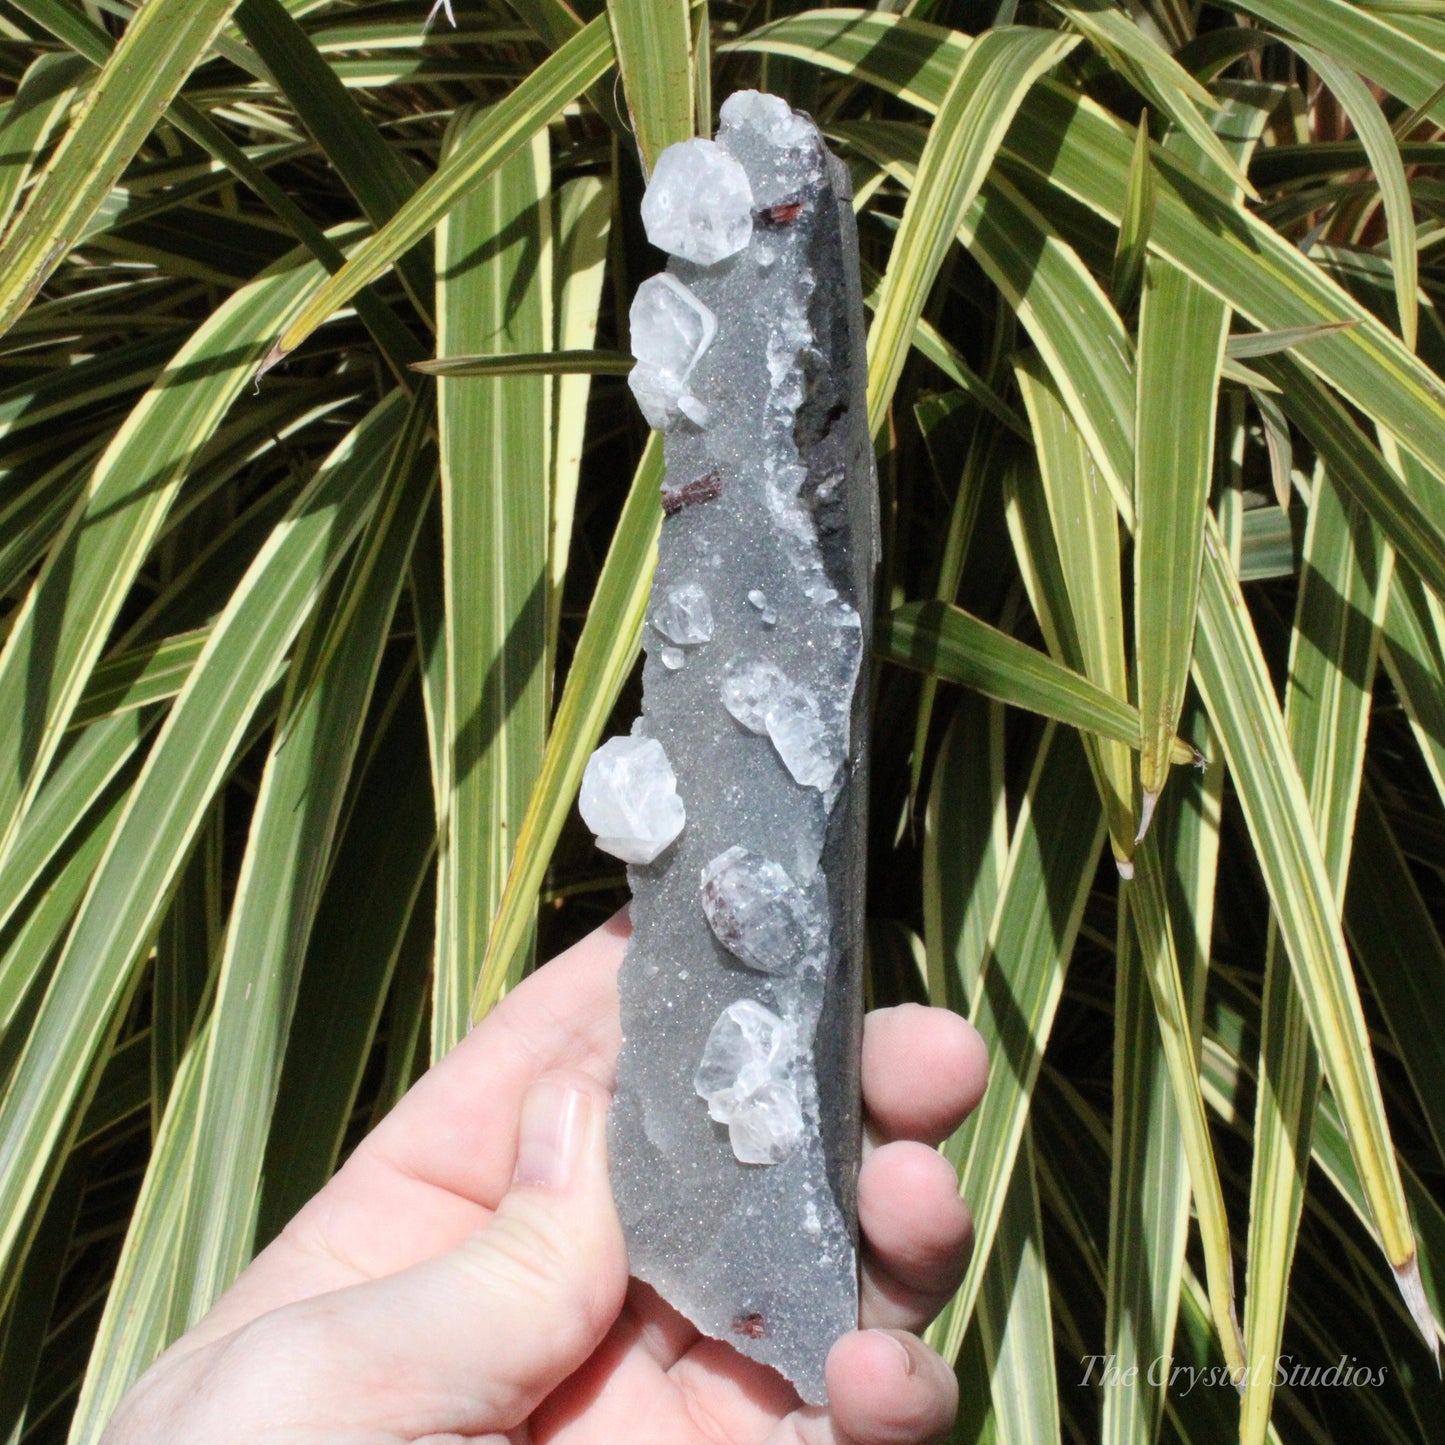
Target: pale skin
x=464 y=1277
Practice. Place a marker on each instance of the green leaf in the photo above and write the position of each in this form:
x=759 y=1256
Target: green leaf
x=1234 y=681
x=1174 y=460
x=965 y=845
x=1133 y=244
x=1149 y=914
x=653 y=41
x=1374 y=133
x=1074 y=147
x=152 y=672
x=530 y=363
x=1266 y=343
x=505 y=130
x=993 y=76
x=1055 y=849
x=1149 y=1179
x=288 y=852
x=376 y=888
x=1014 y=1322
x=68 y=613
x=582 y=223
x=375 y=172
x=46 y=92
x=160 y=47
x=1154 y=73
x=98 y=970
x=141 y=1314
x=1085 y=536
x=495 y=503
x=1384 y=50
x=946 y=642
x=1416 y=533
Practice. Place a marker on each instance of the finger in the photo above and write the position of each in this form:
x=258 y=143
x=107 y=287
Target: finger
x=434 y=1169
x=884 y=1388
x=924 y=1071
x=471 y=1342
x=917 y=1234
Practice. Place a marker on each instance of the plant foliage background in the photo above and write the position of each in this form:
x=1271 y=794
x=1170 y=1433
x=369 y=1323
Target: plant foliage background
x=299 y=671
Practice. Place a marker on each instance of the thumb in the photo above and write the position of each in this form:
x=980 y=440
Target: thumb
x=473 y=1341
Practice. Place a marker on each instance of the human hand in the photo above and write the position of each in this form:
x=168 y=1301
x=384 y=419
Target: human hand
x=463 y=1277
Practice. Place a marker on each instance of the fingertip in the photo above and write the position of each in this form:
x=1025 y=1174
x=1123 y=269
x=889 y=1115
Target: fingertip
x=886 y=1387
x=913 y=1218
x=924 y=1071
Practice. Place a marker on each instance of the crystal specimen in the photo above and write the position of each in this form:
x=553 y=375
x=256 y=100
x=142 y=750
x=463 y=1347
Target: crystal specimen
x=804 y=741
x=629 y=799
x=671 y=329
x=749 y=686
x=684 y=615
x=699 y=204
x=756 y=911
x=746 y=1076
x=742 y=982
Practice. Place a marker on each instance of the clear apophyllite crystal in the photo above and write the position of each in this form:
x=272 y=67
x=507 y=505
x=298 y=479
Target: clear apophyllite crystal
x=671 y=329
x=699 y=203
x=771 y=115
x=806 y=744
x=684 y=615
x=756 y=911
x=746 y=1075
x=629 y=799
x=749 y=687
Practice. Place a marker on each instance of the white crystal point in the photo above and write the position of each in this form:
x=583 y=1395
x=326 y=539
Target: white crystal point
x=804 y=742
x=699 y=203
x=629 y=799
x=767 y=1129
x=746 y=1076
x=749 y=687
x=684 y=615
x=671 y=329
x=756 y=911
x=769 y=114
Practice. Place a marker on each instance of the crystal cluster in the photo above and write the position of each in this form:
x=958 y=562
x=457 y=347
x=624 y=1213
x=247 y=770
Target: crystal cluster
x=699 y=204
x=736 y=1129
x=671 y=329
x=746 y=1076
x=629 y=799
x=756 y=912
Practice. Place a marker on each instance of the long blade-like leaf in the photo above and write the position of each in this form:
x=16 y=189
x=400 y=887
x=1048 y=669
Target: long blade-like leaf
x=653 y=41
x=161 y=44
x=993 y=77
x=501 y=133
x=98 y=969
x=495 y=502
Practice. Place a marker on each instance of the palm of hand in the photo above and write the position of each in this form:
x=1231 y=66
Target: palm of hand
x=333 y=1325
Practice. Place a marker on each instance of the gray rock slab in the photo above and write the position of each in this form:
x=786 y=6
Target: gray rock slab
x=770 y=548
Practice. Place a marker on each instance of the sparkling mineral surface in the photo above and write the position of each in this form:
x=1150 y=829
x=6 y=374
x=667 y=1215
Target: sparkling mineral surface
x=736 y=1130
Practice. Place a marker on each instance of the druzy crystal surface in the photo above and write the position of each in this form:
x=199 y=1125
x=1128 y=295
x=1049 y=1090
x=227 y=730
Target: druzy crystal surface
x=735 y=1131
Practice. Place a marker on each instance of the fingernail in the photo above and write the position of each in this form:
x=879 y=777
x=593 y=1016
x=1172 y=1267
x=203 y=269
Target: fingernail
x=905 y=1359
x=553 y=1131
